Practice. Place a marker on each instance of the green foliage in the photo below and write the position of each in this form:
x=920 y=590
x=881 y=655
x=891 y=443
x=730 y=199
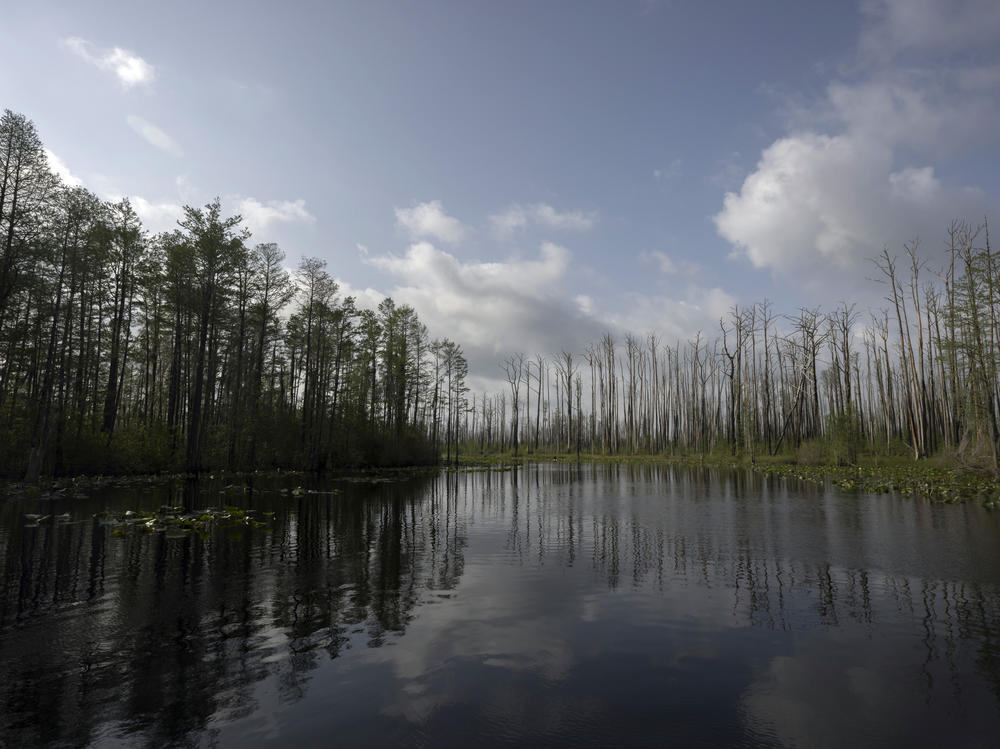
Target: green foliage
x=844 y=438
x=810 y=453
x=173 y=521
x=191 y=351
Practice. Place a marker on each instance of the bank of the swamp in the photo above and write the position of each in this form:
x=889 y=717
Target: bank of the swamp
x=937 y=478
x=294 y=483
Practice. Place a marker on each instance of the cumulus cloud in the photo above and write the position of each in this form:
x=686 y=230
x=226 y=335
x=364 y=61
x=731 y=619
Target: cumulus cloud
x=163 y=214
x=860 y=168
x=527 y=278
x=818 y=201
x=258 y=216
x=673 y=318
x=153 y=135
x=525 y=304
x=59 y=167
x=934 y=111
x=157 y=217
x=130 y=69
x=808 y=202
x=572 y=220
x=899 y=26
x=492 y=308
x=366 y=298
x=520 y=216
x=430 y=220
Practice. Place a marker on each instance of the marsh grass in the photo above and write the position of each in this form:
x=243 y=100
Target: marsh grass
x=938 y=477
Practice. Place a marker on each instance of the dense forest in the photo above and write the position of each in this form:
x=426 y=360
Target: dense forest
x=194 y=349
x=197 y=349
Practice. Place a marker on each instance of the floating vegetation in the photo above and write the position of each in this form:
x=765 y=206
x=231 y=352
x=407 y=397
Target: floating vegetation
x=298 y=491
x=174 y=522
x=81 y=487
x=386 y=475
x=486 y=468
x=944 y=485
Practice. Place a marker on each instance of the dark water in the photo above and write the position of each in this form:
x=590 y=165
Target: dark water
x=555 y=605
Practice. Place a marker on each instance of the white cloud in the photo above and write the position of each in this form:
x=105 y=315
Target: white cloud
x=514 y=218
x=163 y=215
x=673 y=318
x=914 y=185
x=571 y=220
x=130 y=69
x=366 y=298
x=898 y=26
x=817 y=201
x=584 y=303
x=430 y=220
x=153 y=135
x=423 y=263
x=157 y=217
x=492 y=308
x=667 y=265
x=258 y=216
x=858 y=170
x=524 y=304
x=59 y=168
x=936 y=111
x=807 y=197
x=519 y=216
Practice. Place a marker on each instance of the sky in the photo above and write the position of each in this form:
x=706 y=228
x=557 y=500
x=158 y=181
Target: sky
x=530 y=175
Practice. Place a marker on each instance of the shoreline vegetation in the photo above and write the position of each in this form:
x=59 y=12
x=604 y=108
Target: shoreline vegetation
x=935 y=479
x=196 y=351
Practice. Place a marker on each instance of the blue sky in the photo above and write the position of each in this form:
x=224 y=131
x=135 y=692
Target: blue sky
x=530 y=174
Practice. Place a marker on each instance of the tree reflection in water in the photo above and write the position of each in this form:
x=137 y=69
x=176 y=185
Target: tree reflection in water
x=166 y=639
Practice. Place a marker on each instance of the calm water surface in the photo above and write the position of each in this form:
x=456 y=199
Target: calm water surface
x=555 y=605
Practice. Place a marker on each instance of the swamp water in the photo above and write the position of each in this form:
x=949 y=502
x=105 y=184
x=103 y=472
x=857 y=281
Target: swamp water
x=551 y=605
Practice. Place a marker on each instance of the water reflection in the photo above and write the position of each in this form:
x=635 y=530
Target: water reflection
x=560 y=603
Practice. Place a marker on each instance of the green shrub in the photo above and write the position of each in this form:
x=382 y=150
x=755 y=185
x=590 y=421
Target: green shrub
x=843 y=438
x=810 y=453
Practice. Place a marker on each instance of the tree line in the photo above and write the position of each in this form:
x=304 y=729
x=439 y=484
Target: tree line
x=920 y=378
x=194 y=349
